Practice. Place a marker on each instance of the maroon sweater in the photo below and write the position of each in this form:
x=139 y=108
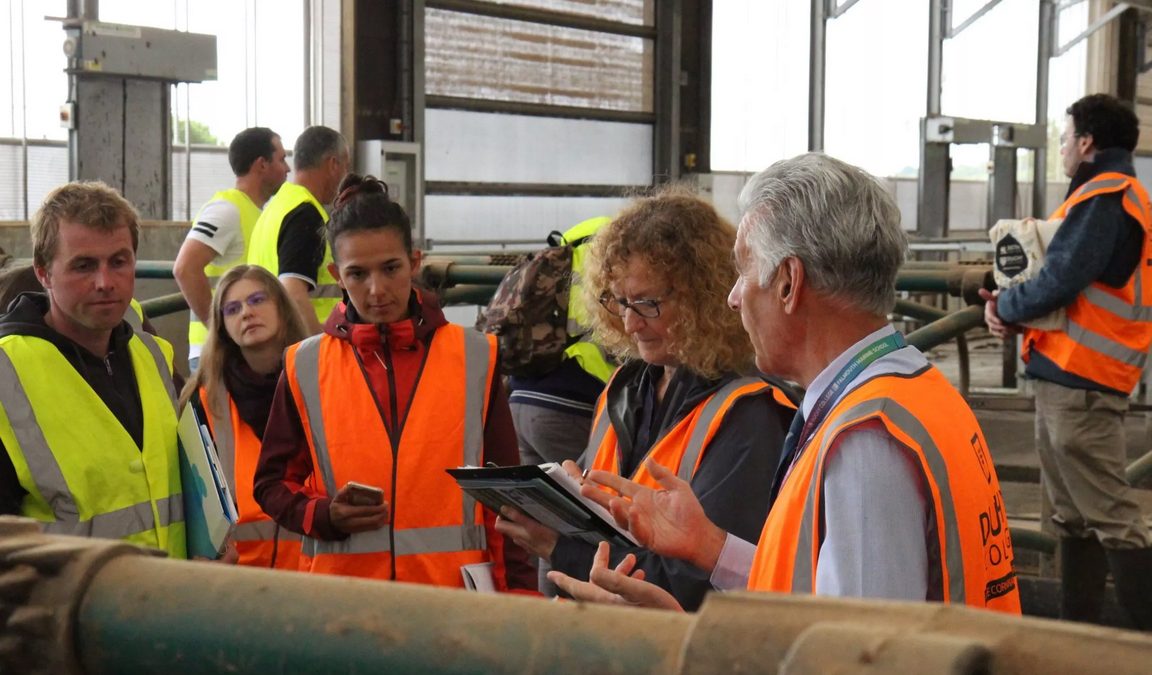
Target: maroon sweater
x=285 y=463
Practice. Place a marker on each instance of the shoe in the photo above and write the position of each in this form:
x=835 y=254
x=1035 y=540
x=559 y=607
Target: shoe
x=1083 y=569
x=1132 y=572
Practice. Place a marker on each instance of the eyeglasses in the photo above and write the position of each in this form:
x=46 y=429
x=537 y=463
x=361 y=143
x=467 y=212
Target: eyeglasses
x=234 y=307
x=648 y=308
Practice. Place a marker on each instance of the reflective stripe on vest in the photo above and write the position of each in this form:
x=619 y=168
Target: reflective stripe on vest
x=704 y=423
x=161 y=365
x=224 y=437
x=803 y=574
x=123 y=522
x=410 y=541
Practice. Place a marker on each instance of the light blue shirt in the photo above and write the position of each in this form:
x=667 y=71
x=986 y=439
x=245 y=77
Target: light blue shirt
x=875 y=505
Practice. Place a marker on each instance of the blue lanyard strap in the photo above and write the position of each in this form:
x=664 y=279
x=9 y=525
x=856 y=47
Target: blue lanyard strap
x=847 y=374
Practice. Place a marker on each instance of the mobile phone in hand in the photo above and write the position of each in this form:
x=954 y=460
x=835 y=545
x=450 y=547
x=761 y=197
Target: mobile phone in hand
x=360 y=494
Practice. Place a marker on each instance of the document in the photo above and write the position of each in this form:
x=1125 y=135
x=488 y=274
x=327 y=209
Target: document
x=209 y=508
x=546 y=493
x=478 y=577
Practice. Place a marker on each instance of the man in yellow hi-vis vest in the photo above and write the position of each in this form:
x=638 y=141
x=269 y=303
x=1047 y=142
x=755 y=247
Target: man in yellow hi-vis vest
x=218 y=239
x=87 y=403
x=288 y=240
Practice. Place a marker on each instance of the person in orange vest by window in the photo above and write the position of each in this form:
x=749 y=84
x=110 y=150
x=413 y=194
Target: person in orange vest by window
x=370 y=413
x=885 y=488
x=250 y=322
x=686 y=395
x=1082 y=376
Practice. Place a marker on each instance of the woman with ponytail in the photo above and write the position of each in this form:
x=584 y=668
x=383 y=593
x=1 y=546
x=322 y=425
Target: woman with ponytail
x=370 y=413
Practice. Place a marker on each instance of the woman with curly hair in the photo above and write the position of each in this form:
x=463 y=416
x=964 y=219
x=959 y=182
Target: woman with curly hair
x=252 y=321
x=687 y=396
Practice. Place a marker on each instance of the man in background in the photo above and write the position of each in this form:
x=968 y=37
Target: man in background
x=1082 y=376
x=222 y=229
x=288 y=240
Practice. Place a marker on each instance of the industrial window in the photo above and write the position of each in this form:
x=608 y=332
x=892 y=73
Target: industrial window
x=486 y=58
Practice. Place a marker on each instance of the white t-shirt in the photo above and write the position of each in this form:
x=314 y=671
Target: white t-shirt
x=218 y=227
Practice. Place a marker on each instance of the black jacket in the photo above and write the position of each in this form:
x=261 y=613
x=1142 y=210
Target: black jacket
x=733 y=480
x=112 y=378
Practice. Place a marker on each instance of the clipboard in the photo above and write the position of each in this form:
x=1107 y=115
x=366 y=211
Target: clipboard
x=209 y=508
x=547 y=493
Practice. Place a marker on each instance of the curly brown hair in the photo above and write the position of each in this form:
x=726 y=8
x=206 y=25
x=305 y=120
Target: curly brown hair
x=681 y=235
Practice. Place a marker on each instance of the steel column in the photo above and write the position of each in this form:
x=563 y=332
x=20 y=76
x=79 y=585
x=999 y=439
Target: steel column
x=817 y=58
x=666 y=131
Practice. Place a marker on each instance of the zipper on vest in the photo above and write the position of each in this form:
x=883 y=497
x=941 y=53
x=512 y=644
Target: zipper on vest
x=108 y=363
x=394 y=438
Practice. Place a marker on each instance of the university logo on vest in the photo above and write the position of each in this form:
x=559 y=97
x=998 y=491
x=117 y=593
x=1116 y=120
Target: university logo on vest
x=994 y=534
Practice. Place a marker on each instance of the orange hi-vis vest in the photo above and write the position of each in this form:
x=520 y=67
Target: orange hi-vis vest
x=259 y=541
x=1109 y=329
x=683 y=447
x=970 y=549
x=435 y=527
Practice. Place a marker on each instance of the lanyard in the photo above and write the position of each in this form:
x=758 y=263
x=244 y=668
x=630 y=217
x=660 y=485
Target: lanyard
x=851 y=370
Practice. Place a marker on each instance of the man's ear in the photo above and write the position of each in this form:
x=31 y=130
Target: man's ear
x=792 y=282
x=43 y=277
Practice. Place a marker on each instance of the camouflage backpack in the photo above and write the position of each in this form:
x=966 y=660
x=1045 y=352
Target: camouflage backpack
x=529 y=311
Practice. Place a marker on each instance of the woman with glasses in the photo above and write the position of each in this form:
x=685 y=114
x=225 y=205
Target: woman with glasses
x=687 y=396
x=251 y=324
x=370 y=413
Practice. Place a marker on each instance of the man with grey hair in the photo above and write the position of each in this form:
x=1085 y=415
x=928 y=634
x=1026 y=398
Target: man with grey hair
x=886 y=488
x=288 y=239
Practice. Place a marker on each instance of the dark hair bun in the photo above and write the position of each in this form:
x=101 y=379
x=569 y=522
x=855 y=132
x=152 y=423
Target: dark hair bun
x=354 y=184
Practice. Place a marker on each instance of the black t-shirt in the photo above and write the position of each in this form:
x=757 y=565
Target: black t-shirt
x=300 y=247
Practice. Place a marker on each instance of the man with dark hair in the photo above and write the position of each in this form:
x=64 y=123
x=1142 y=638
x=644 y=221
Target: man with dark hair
x=221 y=230
x=289 y=237
x=87 y=402
x=1083 y=375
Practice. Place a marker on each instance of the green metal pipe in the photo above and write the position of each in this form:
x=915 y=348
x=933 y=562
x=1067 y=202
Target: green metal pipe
x=1033 y=540
x=1140 y=470
x=467 y=295
x=919 y=311
x=144 y=615
x=164 y=304
x=154 y=269
x=939 y=332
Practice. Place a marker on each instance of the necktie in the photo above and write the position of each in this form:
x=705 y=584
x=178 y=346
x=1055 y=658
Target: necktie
x=791 y=442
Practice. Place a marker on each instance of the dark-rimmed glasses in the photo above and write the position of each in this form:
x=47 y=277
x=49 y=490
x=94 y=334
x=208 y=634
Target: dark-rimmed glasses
x=234 y=307
x=647 y=308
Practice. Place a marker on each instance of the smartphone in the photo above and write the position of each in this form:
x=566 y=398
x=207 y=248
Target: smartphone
x=364 y=495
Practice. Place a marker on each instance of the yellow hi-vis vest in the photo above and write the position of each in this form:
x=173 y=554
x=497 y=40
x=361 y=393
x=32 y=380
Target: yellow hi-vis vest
x=588 y=355
x=84 y=474
x=262 y=247
x=249 y=214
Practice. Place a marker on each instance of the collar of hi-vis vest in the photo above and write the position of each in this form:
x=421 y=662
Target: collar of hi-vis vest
x=833 y=382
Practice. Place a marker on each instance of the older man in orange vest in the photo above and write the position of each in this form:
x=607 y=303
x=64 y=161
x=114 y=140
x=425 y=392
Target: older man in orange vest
x=1082 y=376
x=886 y=488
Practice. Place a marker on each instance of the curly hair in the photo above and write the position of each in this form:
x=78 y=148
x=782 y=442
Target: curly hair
x=674 y=232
